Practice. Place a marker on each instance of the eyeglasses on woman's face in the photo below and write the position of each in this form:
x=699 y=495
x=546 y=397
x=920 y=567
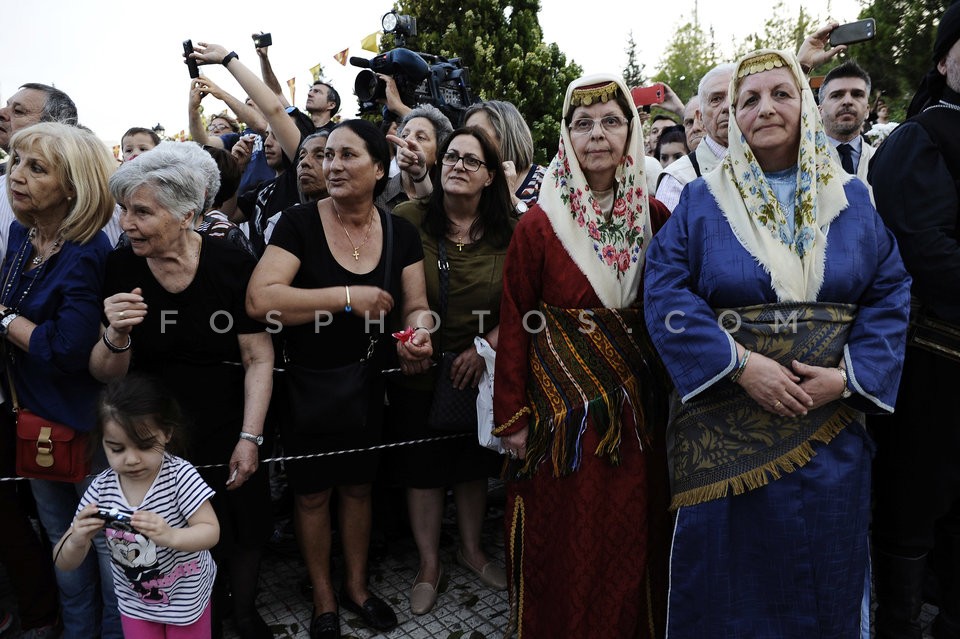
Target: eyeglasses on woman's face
x=218 y=127
x=470 y=163
x=609 y=123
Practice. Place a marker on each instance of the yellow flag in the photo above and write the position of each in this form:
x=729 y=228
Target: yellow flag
x=342 y=56
x=315 y=72
x=292 y=85
x=370 y=42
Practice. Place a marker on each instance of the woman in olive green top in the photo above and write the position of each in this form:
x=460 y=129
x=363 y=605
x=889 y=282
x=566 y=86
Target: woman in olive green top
x=469 y=212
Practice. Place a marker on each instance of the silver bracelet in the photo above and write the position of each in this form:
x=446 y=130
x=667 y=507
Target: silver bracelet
x=113 y=348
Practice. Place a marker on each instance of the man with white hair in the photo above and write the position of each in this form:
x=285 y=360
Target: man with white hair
x=712 y=115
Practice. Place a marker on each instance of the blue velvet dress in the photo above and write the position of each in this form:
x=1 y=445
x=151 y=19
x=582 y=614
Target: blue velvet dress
x=787 y=559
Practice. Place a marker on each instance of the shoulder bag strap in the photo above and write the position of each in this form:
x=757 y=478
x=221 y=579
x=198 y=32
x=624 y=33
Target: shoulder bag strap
x=693 y=160
x=387 y=266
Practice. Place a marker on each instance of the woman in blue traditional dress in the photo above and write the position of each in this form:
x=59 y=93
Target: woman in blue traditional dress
x=778 y=302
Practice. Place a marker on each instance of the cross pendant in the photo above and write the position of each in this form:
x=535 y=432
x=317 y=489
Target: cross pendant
x=460 y=245
x=356 y=254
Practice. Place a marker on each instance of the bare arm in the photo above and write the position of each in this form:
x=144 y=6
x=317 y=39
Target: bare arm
x=813 y=51
x=106 y=365
x=273 y=110
x=671 y=102
x=271 y=298
x=269 y=77
x=412 y=163
x=202 y=531
x=197 y=131
x=415 y=353
x=246 y=114
x=256 y=350
x=73 y=547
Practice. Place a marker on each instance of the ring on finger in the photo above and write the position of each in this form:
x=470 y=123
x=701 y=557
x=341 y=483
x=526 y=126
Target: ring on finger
x=777 y=405
x=123 y=314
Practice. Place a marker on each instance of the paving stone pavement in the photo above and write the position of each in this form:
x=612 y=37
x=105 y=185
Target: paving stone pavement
x=466 y=609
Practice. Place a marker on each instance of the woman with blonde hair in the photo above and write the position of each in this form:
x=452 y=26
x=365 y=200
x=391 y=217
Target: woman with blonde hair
x=49 y=318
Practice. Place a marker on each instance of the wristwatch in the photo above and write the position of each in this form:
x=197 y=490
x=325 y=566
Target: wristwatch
x=521 y=207
x=846 y=391
x=6 y=319
x=250 y=437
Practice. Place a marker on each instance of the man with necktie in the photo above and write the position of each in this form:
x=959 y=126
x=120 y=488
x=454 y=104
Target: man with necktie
x=844 y=106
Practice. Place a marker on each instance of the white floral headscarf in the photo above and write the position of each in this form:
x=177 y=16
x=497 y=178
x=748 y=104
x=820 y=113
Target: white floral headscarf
x=794 y=256
x=608 y=252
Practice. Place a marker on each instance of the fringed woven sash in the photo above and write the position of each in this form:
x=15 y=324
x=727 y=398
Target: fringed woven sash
x=584 y=367
x=721 y=441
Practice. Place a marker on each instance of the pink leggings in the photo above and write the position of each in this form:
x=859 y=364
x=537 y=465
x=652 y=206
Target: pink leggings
x=140 y=629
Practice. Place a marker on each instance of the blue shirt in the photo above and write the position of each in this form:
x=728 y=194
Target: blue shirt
x=65 y=303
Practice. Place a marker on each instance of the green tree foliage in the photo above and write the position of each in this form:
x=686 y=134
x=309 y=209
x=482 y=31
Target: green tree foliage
x=690 y=54
x=633 y=73
x=901 y=52
x=780 y=31
x=501 y=43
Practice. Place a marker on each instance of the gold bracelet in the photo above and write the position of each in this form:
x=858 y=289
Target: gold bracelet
x=510 y=422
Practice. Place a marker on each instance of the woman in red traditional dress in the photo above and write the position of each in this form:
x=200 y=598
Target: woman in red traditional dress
x=571 y=379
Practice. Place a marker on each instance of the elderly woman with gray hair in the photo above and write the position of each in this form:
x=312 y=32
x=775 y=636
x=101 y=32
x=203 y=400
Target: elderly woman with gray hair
x=419 y=135
x=174 y=307
x=506 y=127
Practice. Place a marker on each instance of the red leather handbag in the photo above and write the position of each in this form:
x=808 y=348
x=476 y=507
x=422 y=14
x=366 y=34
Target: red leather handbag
x=48 y=450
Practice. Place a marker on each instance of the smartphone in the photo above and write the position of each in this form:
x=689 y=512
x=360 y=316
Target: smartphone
x=262 y=40
x=191 y=63
x=851 y=32
x=653 y=94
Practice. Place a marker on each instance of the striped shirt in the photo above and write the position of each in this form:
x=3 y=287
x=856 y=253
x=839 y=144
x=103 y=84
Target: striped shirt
x=156 y=583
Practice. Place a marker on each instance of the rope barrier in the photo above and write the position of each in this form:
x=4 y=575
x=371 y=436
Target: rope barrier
x=331 y=453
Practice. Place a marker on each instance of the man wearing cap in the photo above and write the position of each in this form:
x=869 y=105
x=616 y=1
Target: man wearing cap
x=915 y=176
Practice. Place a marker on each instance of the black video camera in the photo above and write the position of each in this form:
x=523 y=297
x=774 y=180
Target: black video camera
x=421 y=78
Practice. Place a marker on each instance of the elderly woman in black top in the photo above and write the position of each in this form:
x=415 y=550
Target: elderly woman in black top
x=175 y=309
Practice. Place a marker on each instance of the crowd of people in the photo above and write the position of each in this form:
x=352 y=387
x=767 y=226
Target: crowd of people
x=725 y=337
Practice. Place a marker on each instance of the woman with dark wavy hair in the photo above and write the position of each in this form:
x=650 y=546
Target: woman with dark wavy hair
x=465 y=226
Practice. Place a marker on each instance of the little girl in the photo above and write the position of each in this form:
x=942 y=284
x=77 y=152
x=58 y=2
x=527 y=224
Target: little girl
x=156 y=513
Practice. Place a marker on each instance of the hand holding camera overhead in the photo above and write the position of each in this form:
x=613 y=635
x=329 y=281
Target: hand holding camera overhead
x=814 y=52
x=266 y=100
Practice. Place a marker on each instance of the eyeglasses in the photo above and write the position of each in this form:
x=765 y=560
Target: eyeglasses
x=218 y=127
x=609 y=123
x=470 y=163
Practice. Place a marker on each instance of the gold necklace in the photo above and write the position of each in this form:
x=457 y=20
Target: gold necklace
x=460 y=243
x=40 y=258
x=356 y=247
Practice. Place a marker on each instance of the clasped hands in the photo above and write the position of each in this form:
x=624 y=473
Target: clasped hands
x=790 y=392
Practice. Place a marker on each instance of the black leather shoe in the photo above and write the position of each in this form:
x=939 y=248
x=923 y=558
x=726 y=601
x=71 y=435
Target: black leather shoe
x=325 y=626
x=375 y=612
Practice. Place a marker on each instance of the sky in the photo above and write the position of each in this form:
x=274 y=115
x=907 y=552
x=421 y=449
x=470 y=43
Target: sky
x=120 y=59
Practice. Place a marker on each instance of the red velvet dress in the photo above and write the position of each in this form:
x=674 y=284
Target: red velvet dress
x=577 y=546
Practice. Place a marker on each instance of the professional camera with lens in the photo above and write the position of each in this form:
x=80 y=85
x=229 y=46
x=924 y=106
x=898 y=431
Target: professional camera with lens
x=421 y=78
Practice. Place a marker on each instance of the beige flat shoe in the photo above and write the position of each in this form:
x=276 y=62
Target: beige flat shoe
x=491 y=575
x=423 y=595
